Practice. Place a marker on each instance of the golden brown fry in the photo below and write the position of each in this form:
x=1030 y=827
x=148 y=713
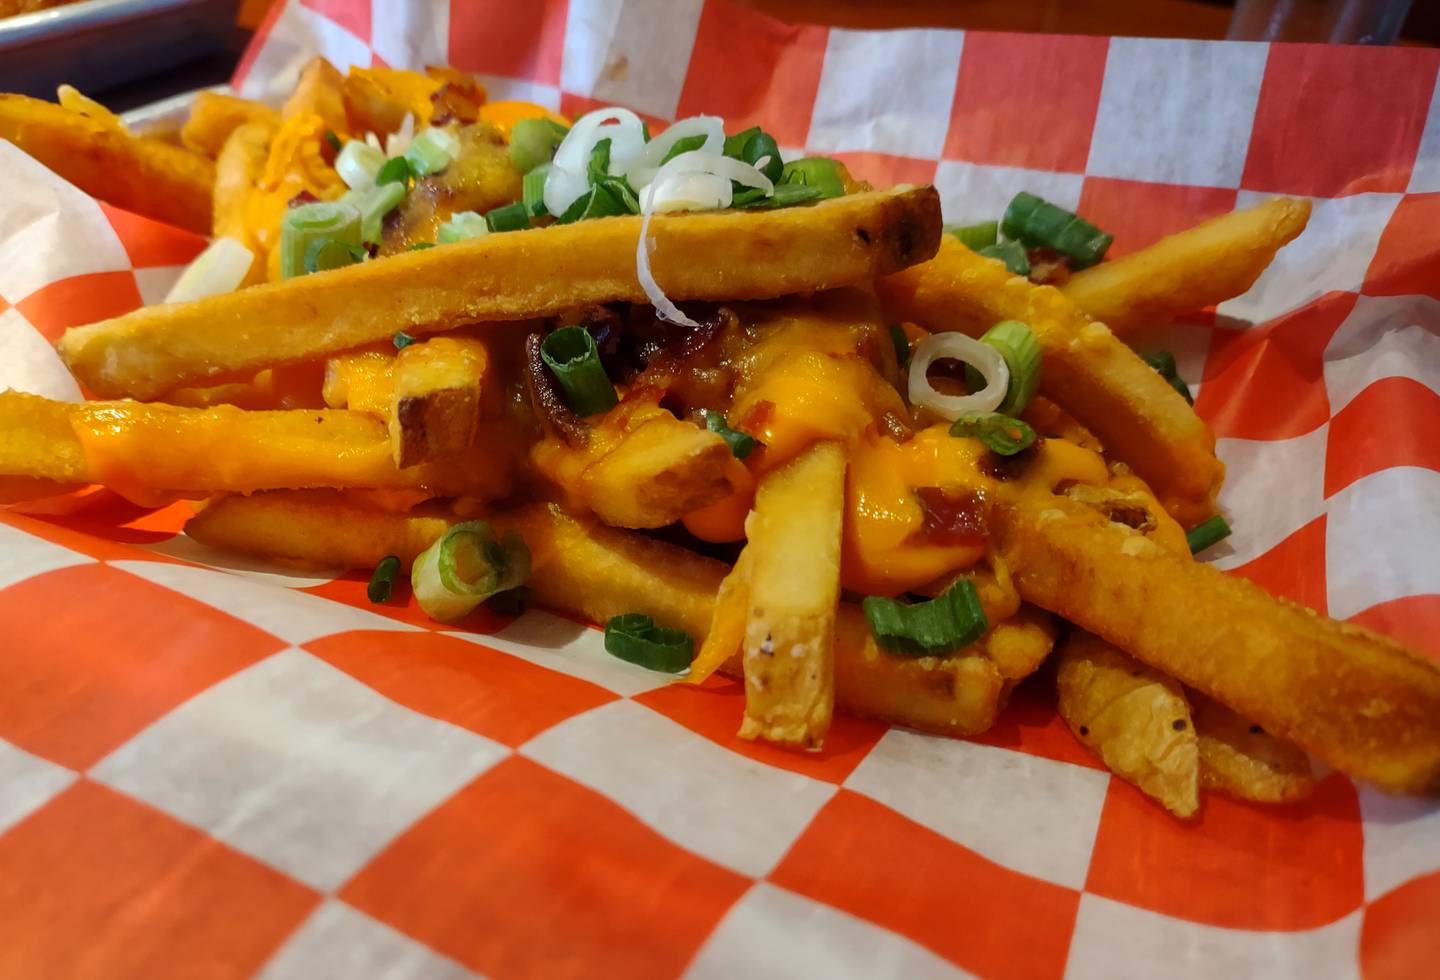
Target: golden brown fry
x=442 y=389
x=137 y=449
x=1092 y=374
x=1189 y=270
x=1354 y=699
x=480 y=178
x=320 y=90
x=794 y=554
x=518 y=275
x=237 y=171
x=362 y=381
x=160 y=181
x=1242 y=759
x=1134 y=718
x=214 y=116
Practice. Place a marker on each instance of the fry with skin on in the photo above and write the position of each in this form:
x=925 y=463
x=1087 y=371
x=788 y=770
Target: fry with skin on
x=1134 y=718
x=1190 y=270
x=1104 y=384
x=362 y=381
x=320 y=90
x=151 y=178
x=1356 y=700
x=441 y=389
x=794 y=546
x=1242 y=759
x=214 y=116
x=138 y=449
x=514 y=276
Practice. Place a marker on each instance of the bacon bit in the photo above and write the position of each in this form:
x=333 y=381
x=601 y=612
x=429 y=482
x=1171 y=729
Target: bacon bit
x=1048 y=267
x=761 y=414
x=953 y=515
x=458 y=98
x=896 y=428
x=302 y=199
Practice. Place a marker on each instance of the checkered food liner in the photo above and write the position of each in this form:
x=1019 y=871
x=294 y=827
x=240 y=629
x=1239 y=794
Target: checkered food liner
x=210 y=767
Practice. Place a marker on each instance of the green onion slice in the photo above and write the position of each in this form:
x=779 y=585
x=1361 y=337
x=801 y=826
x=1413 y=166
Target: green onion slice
x=951 y=621
x=1035 y=221
x=1017 y=344
x=431 y=152
x=1207 y=533
x=463 y=225
x=1161 y=361
x=753 y=145
x=533 y=142
x=358 y=164
x=975 y=237
x=786 y=195
x=324 y=254
x=402 y=340
x=634 y=637
x=902 y=346
x=1001 y=434
x=683 y=145
x=382 y=582
x=571 y=355
x=466 y=566
x=532 y=190
x=374 y=203
x=509 y=217
x=1012 y=254
x=323 y=221
x=1182 y=388
x=396 y=170
x=333 y=139
x=741 y=444
x=819 y=172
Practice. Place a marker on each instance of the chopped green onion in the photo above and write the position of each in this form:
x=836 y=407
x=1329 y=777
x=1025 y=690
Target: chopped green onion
x=634 y=637
x=402 y=340
x=511 y=602
x=508 y=217
x=374 y=203
x=382 y=582
x=975 y=237
x=819 y=172
x=396 y=170
x=465 y=567
x=951 y=621
x=902 y=345
x=532 y=190
x=598 y=168
x=751 y=146
x=333 y=140
x=571 y=355
x=603 y=200
x=683 y=145
x=1011 y=253
x=741 y=444
x=533 y=142
x=431 y=152
x=325 y=254
x=419 y=246
x=1035 y=221
x=1001 y=434
x=302 y=227
x=358 y=163
x=786 y=195
x=1017 y=344
x=463 y=225
x=1207 y=533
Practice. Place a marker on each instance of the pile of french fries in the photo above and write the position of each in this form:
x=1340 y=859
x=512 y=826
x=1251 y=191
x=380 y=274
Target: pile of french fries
x=349 y=415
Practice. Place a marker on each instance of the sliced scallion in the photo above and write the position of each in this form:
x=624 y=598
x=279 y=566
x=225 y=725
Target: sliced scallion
x=635 y=638
x=533 y=142
x=571 y=355
x=1036 y=221
x=463 y=225
x=396 y=170
x=975 y=237
x=431 y=152
x=358 y=163
x=1001 y=434
x=508 y=217
x=819 y=172
x=741 y=444
x=1164 y=363
x=324 y=221
x=1017 y=344
x=466 y=566
x=683 y=145
x=532 y=190
x=325 y=254
x=1012 y=254
x=402 y=340
x=374 y=202
x=753 y=145
x=1206 y=533
x=333 y=139
x=382 y=581
x=950 y=622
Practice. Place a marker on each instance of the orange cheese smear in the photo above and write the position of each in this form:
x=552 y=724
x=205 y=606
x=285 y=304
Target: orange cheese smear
x=504 y=115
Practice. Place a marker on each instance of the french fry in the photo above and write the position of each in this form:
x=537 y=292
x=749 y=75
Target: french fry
x=137 y=449
x=1356 y=700
x=237 y=170
x=151 y=178
x=215 y=115
x=320 y=90
x=442 y=388
x=1189 y=270
x=1091 y=373
x=518 y=275
x=586 y=569
x=362 y=381
x=1133 y=717
x=1242 y=759
x=794 y=545
x=480 y=178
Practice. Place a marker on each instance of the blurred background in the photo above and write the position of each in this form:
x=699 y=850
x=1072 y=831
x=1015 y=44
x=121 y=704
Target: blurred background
x=135 y=52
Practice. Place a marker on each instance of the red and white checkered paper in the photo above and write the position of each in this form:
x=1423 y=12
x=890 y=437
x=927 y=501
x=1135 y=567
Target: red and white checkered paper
x=210 y=768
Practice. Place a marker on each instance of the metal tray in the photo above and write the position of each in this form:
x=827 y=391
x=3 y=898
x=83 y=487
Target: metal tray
x=99 y=43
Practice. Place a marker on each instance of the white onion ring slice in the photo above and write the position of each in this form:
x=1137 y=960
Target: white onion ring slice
x=956 y=346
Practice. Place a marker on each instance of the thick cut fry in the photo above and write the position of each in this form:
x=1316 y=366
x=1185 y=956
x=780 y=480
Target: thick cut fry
x=1350 y=697
x=1091 y=373
x=320 y=90
x=794 y=546
x=137 y=449
x=593 y=572
x=155 y=179
x=1189 y=270
x=236 y=173
x=442 y=389
x=1134 y=718
x=517 y=275
x=1241 y=758
x=362 y=381
x=215 y=115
